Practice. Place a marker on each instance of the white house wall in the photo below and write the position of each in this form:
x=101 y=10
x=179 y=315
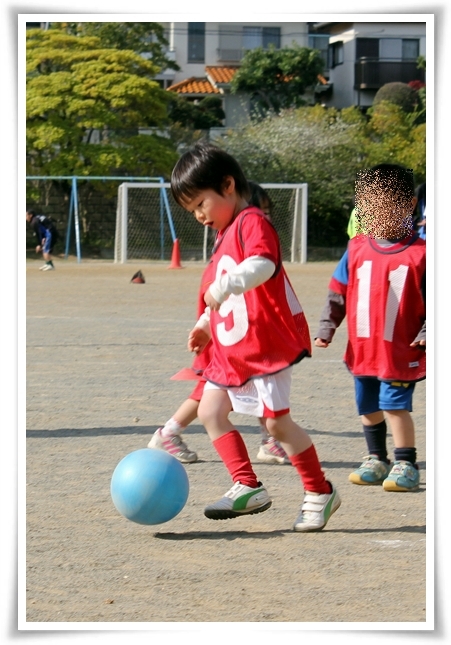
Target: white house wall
x=178 y=37
x=342 y=76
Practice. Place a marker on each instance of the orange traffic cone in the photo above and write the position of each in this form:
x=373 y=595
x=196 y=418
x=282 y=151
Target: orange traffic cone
x=175 y=260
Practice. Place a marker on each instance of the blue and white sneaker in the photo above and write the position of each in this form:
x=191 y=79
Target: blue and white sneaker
x=371 y=473
x=403 y=478
x=316 y=510
x=239 y=500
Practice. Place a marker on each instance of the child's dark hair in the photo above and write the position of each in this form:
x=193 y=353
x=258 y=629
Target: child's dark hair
x=31 y=212
x=259 y=196
x=389 y=177
x=384 y=201
x=203 y=167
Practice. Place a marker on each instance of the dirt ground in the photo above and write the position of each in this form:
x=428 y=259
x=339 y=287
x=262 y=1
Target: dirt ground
x=100 y=353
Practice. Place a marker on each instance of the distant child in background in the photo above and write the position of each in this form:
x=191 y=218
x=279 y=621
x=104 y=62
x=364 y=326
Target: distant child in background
x=380 y=286
x=257 y=330
x=168 y=437
x=46 y=234
x=351 y=230
x=420 y=210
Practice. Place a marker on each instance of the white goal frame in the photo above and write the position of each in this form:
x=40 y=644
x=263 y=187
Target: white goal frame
x=298 y=250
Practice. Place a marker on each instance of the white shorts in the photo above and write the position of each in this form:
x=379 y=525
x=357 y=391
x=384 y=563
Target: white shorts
x=265 y=396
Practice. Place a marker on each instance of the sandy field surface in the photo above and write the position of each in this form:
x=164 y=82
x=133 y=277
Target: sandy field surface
x=100 y=354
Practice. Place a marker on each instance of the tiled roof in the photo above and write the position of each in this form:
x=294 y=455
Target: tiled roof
x=215 y=76
x=220 y=74
x=209 y=85
x=194 y=86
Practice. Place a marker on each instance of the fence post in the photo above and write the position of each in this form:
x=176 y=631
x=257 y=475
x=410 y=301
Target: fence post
x=304 y=224
x=296 y=231
x=77 y=223
x=124 y=231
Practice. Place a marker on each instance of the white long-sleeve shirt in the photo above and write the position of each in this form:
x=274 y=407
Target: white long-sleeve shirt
x=250 y=273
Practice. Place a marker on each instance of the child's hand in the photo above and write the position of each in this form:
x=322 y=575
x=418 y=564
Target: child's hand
x=419 y=343
x=211 y=302
x=198 y=339
x=319 y=342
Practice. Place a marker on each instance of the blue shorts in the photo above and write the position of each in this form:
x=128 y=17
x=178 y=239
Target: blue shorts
x=48 y=244
x=372 y=395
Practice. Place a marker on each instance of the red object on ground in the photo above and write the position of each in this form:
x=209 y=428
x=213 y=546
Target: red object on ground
x=138 y=278
x=186 y=374
x=175 y=260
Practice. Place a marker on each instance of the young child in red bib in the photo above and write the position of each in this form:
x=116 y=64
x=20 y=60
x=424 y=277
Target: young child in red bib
x=257 y=330
x=168 y=437
x=380 y=286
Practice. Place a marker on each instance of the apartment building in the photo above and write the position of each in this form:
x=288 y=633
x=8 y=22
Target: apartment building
x=364 y=56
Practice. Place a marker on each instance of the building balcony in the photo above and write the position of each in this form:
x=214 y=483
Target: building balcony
x=229 y=55
x=372 y=73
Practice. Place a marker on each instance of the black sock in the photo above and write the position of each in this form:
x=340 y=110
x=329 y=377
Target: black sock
x=406 y=454
x=376 y=440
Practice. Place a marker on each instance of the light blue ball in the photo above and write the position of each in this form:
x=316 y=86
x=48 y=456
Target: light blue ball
x=149 y=486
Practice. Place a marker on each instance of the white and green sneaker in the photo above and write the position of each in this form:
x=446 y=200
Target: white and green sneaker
x=316 y=510
x=239 y=500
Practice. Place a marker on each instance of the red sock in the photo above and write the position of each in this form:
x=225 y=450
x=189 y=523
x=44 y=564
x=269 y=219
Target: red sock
x=308 y=466
x=233 y=452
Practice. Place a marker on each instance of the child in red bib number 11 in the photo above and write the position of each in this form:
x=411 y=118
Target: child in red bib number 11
x=258 y=331
x=379 y=285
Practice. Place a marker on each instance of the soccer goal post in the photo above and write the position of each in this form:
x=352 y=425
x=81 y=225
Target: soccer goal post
x=148 y=221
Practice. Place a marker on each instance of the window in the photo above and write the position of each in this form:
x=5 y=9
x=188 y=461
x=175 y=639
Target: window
x=336 y=56
x=388 y=48
x=230 y=42
x=271 y=36
x=254 y=37
x=196 y=42
x=410 y=48
x=367 y=48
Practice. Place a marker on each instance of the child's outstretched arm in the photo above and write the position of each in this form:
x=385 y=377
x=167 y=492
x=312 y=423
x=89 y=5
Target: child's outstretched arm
x=334 y=310
x=250 y=273
x=200 y=335
x=332 y=315
x=420 y=340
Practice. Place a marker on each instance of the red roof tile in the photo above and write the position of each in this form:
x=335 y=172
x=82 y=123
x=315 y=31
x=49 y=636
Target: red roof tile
x=194 y=86
x=220 y=74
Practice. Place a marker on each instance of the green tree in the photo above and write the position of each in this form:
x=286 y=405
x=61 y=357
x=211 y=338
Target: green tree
x=325 y=148
x=277 y=79
x=141 y=37
x=78 y=92
x=321 y=147
x=203 y=115
x=392 y=138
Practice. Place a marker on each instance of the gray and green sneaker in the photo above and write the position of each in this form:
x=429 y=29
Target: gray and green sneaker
x=403 y=478
x=371 y=473
x=239 y=500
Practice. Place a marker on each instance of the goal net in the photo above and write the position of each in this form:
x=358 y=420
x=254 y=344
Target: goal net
x=148 y=221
